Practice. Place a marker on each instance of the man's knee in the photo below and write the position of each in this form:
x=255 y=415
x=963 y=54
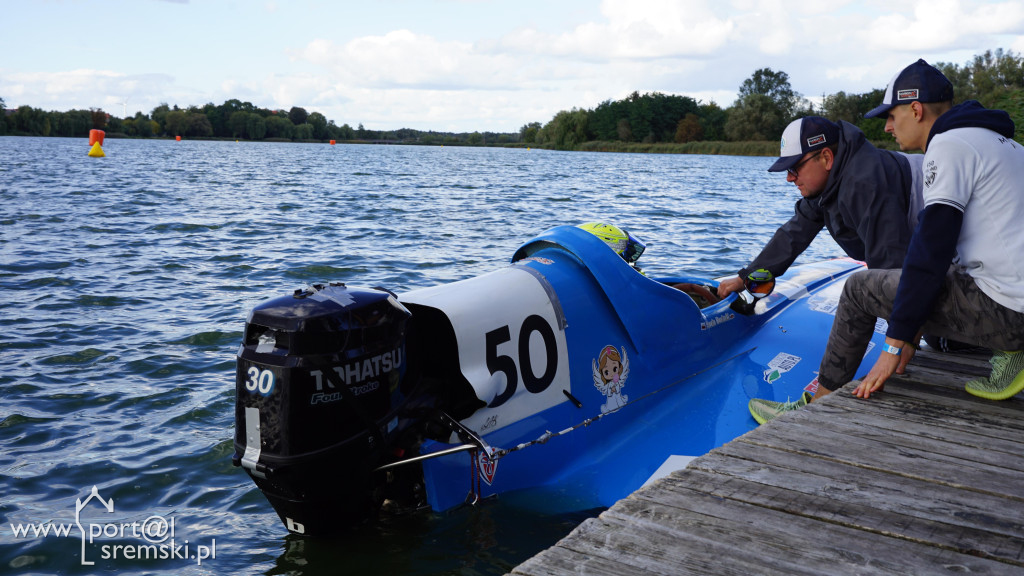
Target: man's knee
x=872 y=290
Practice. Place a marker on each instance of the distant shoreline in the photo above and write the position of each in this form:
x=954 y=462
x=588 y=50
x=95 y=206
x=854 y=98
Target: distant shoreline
x=713 y=148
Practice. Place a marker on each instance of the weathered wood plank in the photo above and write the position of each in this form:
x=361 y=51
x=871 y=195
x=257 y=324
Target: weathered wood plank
x=997 y=446
x=823 y=442
x=864 y=499
x=763 y=537
x=921 y=479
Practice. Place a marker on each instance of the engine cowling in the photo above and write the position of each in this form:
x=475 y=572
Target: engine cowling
x=321 y=375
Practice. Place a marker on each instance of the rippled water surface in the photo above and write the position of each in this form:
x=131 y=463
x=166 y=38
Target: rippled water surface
x=124 y=286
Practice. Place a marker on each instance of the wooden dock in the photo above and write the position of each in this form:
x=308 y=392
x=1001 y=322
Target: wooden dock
x=922 y=479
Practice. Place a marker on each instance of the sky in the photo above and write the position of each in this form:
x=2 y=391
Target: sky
x=468 y=65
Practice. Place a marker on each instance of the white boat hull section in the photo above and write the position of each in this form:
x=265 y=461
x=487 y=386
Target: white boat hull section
x=515 y=354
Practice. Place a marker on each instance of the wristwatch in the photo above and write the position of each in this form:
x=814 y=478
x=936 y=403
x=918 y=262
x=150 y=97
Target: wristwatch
x=886 y=347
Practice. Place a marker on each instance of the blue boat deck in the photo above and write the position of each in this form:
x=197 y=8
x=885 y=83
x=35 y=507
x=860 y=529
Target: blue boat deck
x=922 y=479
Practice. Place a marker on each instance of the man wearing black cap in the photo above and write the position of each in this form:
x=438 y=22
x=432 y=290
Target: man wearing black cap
x=866 y=197
x=973 y=209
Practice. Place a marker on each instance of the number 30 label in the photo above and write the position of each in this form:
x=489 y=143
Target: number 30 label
x=261 y=381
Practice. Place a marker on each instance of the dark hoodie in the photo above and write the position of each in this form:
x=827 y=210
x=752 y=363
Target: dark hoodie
x=933 y=246
x=864 y=206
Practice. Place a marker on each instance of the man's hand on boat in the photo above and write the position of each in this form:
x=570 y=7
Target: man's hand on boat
x=726 y=287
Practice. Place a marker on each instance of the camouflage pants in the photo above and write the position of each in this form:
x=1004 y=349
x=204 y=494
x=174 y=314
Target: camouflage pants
x=963 y=312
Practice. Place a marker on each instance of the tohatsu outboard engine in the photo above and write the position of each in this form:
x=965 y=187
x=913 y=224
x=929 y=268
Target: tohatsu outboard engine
x=321 y=376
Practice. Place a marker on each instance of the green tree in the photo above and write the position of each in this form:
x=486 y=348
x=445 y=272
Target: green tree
x=304 y=132
x=987 y=77
x=30 y=120
x=623 y=131
x=279 y=127
x=766 y=104
x=99 y=118
x=159 y=115
x=115 y=125
x=255 y=127
x=343 y=132
x=143 y=125
x=566 y=130
x=198 y=125
x=176 y=123
x=528 y=133
x=237 y=122
x=298 y=115
x=712 y=121
x=319 y=123
x=754 y=117
x=71 y=124
x=218 y=122
x=689 y=129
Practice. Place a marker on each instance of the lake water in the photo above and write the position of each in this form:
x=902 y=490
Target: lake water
x=125 y=282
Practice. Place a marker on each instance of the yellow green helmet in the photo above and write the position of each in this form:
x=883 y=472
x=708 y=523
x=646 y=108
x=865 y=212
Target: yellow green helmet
x=622 y=242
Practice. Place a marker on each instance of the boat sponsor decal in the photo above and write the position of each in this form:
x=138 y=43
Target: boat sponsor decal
x=487 y=467
x=826 y=300
x=610 y=370
x=514 y=355
x=717 y=320
x=881 y=326
x=779 y=365
x=812 y=386
x=362 y=376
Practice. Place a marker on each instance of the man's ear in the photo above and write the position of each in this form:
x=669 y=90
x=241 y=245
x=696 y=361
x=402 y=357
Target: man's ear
x=918 y=110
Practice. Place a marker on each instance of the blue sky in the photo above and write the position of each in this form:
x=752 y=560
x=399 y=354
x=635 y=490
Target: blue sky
x=464 y=65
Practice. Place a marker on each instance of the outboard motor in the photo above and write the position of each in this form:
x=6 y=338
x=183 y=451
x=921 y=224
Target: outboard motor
x=321 y=376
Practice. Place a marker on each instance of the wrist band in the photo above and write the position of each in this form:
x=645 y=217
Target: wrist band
x=886 y=347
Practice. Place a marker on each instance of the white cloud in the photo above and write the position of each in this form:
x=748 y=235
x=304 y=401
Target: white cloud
x=80 y=89
x=405 y=59
x=634 y=29
x=943 y=25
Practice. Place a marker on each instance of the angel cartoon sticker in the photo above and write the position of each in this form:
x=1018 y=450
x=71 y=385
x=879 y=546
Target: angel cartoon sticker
x=610 y=373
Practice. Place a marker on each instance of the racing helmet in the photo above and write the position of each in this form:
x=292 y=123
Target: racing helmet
x=623 y=243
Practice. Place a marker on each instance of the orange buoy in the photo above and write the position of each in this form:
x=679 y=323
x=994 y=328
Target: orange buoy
x=332 y=142
x=96 y=136
x=177 y=138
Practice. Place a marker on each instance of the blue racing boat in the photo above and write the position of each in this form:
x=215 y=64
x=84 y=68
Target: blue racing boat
x=567 y=376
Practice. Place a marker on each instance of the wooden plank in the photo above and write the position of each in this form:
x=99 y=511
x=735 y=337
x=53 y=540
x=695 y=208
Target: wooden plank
x=921 y=479
x=998 y=446
x=819 y=440
x=883 y=503
x=647 y=544
x=789 y=542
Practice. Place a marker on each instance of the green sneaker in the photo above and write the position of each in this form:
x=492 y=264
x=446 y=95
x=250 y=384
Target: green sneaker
x=1006 y=380
x=765 y=410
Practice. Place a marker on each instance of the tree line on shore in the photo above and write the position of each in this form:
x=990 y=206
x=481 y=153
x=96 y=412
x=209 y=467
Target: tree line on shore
x=766 y=103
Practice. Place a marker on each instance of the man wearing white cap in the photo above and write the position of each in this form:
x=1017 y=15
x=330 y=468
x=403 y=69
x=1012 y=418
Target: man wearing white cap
x=973 y=209
x=867 y=198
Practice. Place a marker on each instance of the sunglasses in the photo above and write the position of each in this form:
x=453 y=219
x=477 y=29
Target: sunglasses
x=794 y=170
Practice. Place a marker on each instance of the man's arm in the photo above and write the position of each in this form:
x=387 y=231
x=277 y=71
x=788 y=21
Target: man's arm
x=789 y=241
